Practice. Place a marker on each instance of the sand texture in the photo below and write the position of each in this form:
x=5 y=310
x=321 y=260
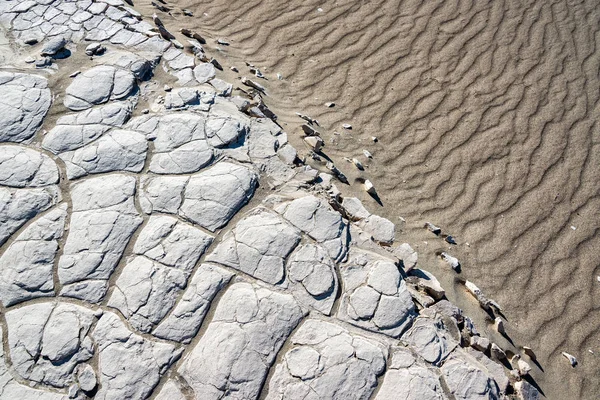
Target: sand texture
x=487 y=115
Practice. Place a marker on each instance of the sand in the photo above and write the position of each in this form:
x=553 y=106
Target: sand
x=488 y=120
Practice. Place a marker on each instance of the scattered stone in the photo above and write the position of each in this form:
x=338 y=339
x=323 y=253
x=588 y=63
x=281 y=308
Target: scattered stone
x=95 y=49
x=358 y=164
x=451 y=261
x=526 y=391
x=367 y=154
x=571 y=359
x=222 y=42
x=450 y=239
x=86 y=376
x=480 y=343
x=187 y=13
x=253 y=84
x=53 y=46
x=347 y=126
x=432 y=228
x=499 y=325
x=408 y=256
x=529 y=352
x=497 y=352
x=315 y=142
x=369 y=188
x=374 y=139
x=330 y=104
x=429 y=337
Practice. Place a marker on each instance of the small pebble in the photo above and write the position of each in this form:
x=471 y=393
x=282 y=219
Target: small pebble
x=450 y=239
x=145 y=111
x=571 y=359
x=74 y=74
x=279 y=76
x=29 y=59
x=319 y=9
x=369 y=188
x=347 y=126
x=330 y=104
x=574 y=228
x=374 y=139
x=187 y=13
x=234 y=69
x=223 y=42
x=167 y=88
x=367 y=154
x=358 y=164
x=30 y=41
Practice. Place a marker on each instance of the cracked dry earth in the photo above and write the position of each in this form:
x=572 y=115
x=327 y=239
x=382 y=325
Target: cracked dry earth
x=173 y=246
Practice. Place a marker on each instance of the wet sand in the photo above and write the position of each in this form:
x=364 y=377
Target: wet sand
x=488 y=124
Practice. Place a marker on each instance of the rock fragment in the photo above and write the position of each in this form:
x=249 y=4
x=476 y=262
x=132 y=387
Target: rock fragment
x=98 y=85
x=53 y=46
x=571 y=359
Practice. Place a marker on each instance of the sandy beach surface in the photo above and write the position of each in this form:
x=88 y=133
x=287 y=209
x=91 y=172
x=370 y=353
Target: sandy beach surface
x=487 y=120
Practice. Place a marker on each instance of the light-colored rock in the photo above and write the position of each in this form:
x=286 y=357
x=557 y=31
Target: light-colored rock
x=26 y=267
x=130 y=365
x=73 y=131
x=312 y=275
x=53 y=46
x=18 y=206
x=382 y=230
x=354 y=208
x=98 y=85
x=22 y=167
x=479 y=343
x=146 y=290
x=170 y=391
x=224 y=126
x=409 y=379
x=103 y=219
x=408 y=256
x=326 y=361
x=248 y=329
x=24 y=103
x=10 y=388
x=375 y=295
x=571 y=359
x=48 y=340
x=117 y=150
x=183 y=323
x=86 y=376
x=162 y=193
x=497 y=352
x=494 y=369
x=258 y=245
x=212 y=197
x=204 y=72
x=426 y=282
x=429 y=338
x=468 y=379
x=526 y=391
x=315 y=217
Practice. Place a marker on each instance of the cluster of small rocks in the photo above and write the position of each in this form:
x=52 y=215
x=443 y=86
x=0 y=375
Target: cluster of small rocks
x=185 y=252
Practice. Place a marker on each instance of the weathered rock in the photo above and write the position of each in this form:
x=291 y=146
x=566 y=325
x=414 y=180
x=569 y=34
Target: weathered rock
x=430 y=339
x=130 y=366
x=48 y=340
x=312 y=274
x=327 y=362
x=408 y=256
x=22 y=167
x=468 y=379
x=451 y=261
x=183 y=323
x=117 y=150
x=314 y=216
x=170 y=391
x=18 y=206
x=98 y=85
x=479 y=343
x=354 y=209
x=204 y=72
x=497 y=352
x=494 y=369
x=224 y=127
x=426 y=282
x=86 y=377
x=212 y=197
x=407 y=378
x=162 y=193
x=26 y=267
x=571 y=359
x=248 y=329
x=258 y=245
x=10 y=388
x=73 y=131
x=375 y=295
x=180 y=144
x=24 y=103
x=103 y=219
x=526 y=391
x=53 y=46
x=382 y=230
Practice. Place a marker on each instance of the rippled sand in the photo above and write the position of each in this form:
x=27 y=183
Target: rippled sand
x=488 y=119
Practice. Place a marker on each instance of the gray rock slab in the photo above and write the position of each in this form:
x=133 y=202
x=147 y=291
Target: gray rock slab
x=326 y=361
x=117 y=150
x=212 y=197
x=248 y=328
x=183 y=323
x=10 y=388
x=375 y=295
x=224 y=126
x=162 y=193
x=429 y=337
x=23 y=167
x=130 y=365
x=17 y=206
x=98 y=85
x=48 y=340
x=315 y=217
x=73 y=131
x=313 y=278
x=468 y=379
x=258 y=245
x=410 y=379
x=103 y=219
x=27 y=265
x=24 y=103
